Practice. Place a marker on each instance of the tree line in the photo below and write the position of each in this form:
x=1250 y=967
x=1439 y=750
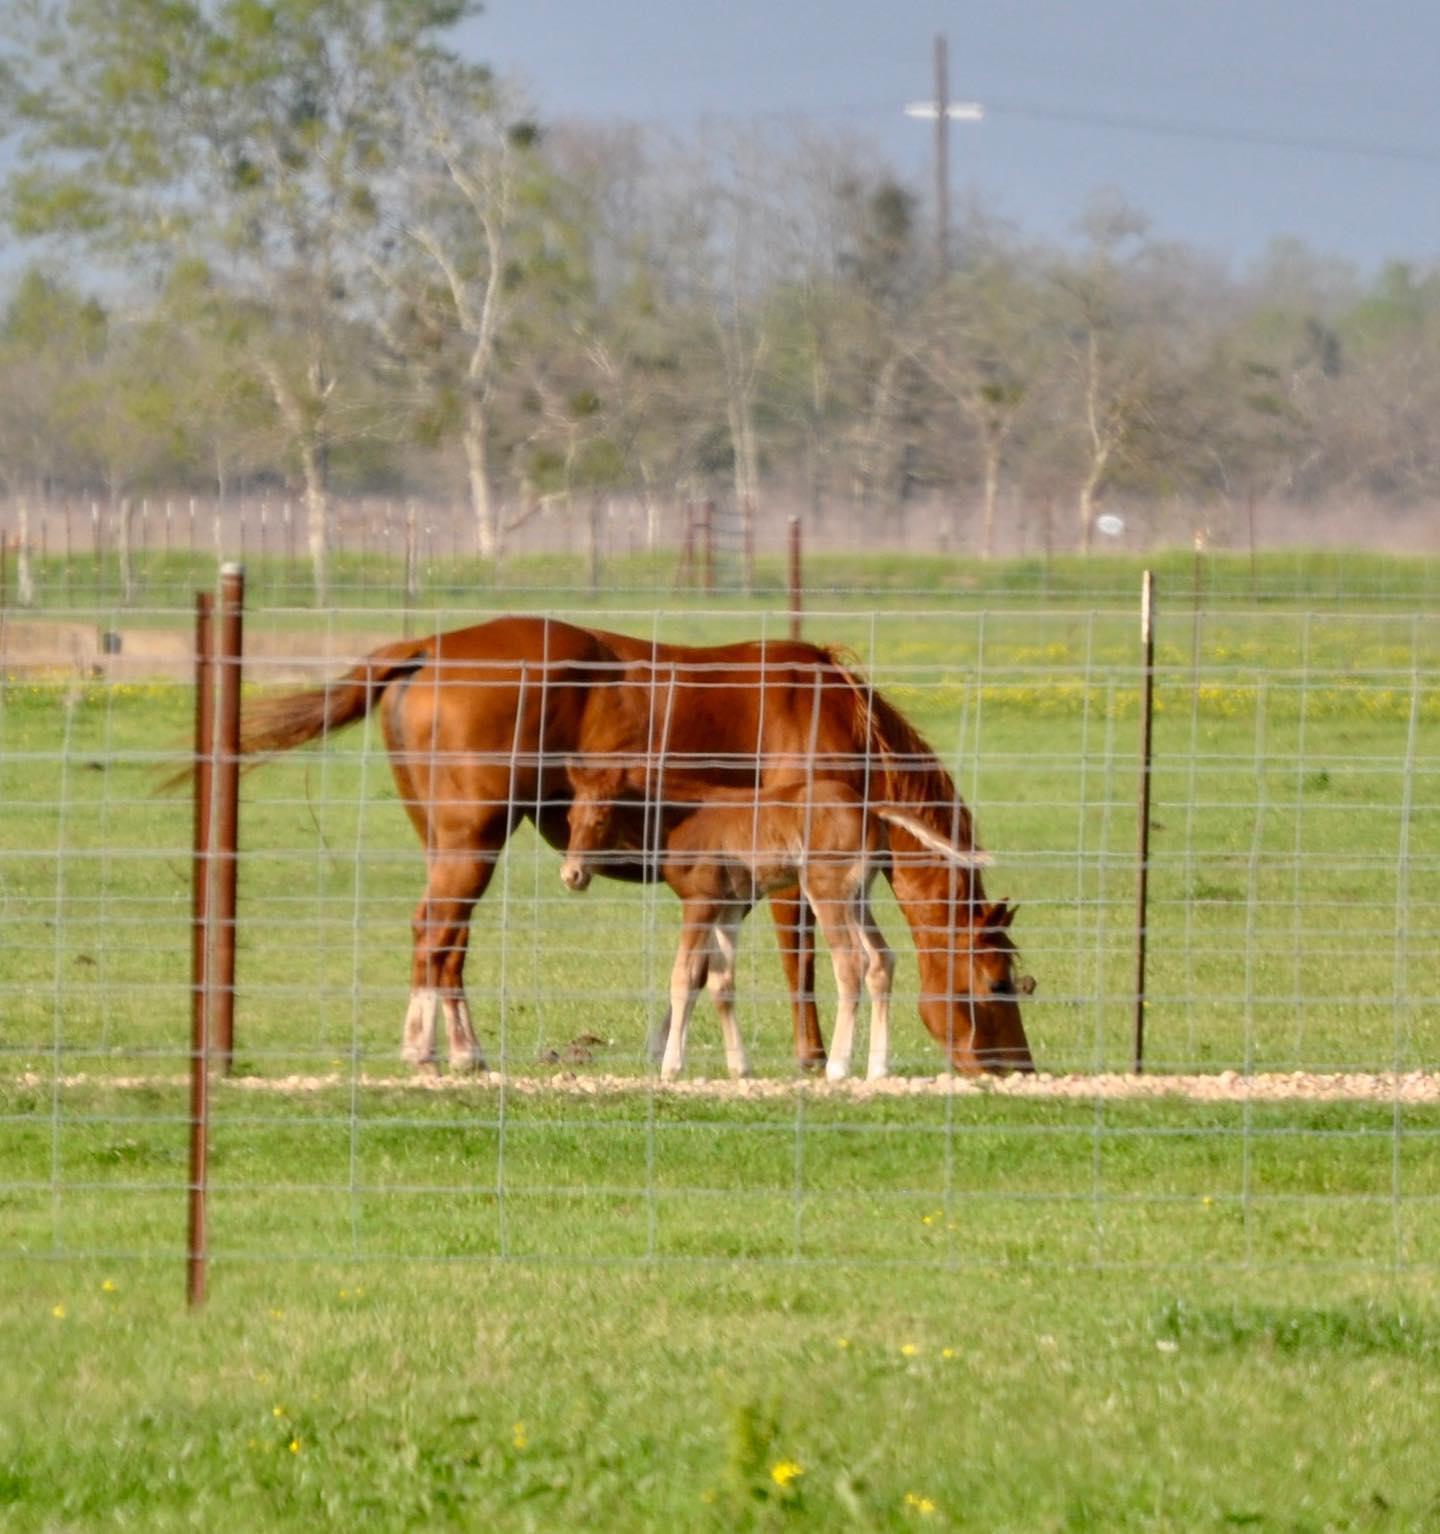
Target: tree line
x=305 y=243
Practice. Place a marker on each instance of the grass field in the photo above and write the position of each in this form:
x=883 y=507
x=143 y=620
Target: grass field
x=993 y=1316
x=483 y=1308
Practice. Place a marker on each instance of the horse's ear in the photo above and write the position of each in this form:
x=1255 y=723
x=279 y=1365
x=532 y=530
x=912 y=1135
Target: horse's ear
x=1000 y=915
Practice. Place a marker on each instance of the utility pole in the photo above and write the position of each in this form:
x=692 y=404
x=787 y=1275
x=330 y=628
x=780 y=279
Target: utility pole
x=943 y=111
x=942 y=158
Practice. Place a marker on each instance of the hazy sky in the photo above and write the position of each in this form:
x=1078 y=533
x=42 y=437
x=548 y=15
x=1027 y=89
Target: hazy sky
x=1318 y=73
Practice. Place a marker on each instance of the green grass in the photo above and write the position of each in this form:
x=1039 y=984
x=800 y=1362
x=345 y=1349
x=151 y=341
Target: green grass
x=376 y=582
x=978 y=1314
x=492 y=1309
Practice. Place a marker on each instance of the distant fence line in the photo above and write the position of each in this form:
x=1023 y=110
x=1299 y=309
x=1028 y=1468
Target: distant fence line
x=139 y=550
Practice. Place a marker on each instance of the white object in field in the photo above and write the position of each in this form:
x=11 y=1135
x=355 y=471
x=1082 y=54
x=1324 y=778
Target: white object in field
x=1109 y=524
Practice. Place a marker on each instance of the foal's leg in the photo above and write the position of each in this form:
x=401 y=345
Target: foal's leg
x=837 y=922
x=879 y=975
x=722 y=986
x=796 y=936
x=686 y=977
x=458 y=878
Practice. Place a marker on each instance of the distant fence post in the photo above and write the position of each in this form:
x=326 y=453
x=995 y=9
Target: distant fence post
x=1142 y=885
x=195 y=1244
x=686 y=574
x=412 y=564
x=795 y=579
x=224 y=847
x=707 y=543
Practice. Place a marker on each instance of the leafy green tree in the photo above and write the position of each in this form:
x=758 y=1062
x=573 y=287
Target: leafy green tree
x=234 y=134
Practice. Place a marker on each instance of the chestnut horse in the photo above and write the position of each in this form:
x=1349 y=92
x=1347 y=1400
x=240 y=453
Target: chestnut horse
x=479 y=723
x=736 y=847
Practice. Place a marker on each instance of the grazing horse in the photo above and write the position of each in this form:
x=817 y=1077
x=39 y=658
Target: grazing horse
x=723 y=857
x=479 y=723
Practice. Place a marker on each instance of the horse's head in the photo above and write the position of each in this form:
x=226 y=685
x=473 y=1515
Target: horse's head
x=988 y=999
x=592 y=816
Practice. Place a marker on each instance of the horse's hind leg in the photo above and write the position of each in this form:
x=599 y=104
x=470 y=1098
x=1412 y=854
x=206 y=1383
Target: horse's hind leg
x=796 y=936
x=686 y=977
x=458 y=878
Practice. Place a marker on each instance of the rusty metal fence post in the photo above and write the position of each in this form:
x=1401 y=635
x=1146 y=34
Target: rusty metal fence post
x=795 y=581
x=224 y=847
x=195 y=1246
x=1142 y=884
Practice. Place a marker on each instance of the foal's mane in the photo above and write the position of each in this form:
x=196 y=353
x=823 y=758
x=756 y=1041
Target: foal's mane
x=911 y=771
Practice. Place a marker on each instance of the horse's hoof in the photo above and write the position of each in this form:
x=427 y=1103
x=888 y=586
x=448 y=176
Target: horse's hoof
x=812 y=1065
x=467 y=1065
x=835 y=1072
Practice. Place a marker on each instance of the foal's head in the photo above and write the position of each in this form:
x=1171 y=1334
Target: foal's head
x=592 y=816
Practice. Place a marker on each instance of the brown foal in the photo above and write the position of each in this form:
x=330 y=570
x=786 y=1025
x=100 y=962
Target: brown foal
x=731 y=851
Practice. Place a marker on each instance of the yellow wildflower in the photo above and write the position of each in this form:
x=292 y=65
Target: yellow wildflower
x=908 y=1349
x=918 y=1504
x=58 y=1311
x=109 y=1286
x=782 y=1472
x=518 y=1435
x=294 y=1445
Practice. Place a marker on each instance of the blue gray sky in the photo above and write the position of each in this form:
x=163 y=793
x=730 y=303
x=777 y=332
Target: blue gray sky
x=1229 y=122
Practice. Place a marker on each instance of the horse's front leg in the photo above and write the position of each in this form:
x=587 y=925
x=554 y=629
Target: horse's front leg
x=722 y=988
x=879 y=979
x=837 y=920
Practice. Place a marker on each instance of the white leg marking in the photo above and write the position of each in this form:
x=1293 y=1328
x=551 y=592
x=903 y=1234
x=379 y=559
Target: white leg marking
x=684 y=988
x=465 y=1051
x=419 y=1045
x=845 y=961
x=722 y=993
x=879 y=976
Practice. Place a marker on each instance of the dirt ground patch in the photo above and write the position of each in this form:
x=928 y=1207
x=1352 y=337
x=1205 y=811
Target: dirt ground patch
x=1409 y=1088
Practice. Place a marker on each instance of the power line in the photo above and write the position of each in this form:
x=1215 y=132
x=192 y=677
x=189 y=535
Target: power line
x=1119 y=122
x=1179 y=128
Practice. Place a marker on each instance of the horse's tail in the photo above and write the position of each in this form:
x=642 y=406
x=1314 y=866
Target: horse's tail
x=270 y=725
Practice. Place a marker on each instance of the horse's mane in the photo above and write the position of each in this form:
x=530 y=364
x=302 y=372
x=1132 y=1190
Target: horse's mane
x=911 y=770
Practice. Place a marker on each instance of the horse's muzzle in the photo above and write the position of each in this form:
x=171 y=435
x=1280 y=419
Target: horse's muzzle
x=575 y=876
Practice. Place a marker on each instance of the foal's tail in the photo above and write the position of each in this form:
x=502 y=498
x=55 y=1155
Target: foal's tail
x=270 y=725
x=962 y=857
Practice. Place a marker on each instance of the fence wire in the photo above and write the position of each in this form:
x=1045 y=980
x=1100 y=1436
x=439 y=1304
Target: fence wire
x=1289 y=1114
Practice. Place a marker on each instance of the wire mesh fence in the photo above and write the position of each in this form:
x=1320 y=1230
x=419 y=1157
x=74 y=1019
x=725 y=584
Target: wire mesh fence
x=1289 y=1113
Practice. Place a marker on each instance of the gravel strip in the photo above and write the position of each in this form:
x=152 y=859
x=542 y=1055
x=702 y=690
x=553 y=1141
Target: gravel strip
x=1413 y=1087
